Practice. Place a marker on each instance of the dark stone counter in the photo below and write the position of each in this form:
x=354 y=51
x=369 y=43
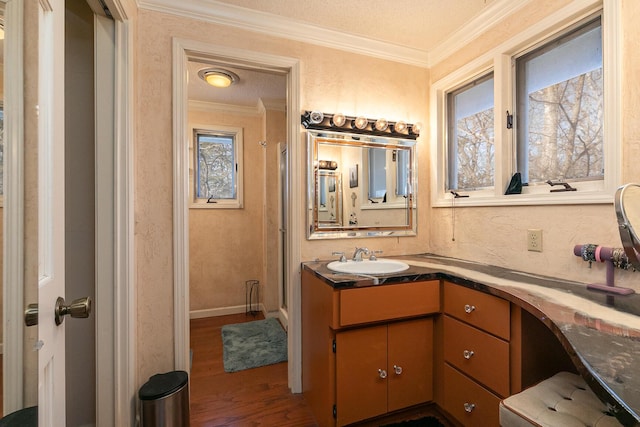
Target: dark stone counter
x=599 y=331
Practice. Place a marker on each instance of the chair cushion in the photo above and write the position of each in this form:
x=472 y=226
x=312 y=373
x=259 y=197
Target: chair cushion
x=562 y=400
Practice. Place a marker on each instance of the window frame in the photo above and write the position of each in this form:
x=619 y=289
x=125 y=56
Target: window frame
x=501 y=61
x=238 y=142
x=451 y=125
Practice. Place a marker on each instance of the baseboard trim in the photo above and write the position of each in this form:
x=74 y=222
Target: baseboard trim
x=223 y=311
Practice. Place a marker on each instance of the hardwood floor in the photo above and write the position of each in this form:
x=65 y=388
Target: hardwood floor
x=254 y=397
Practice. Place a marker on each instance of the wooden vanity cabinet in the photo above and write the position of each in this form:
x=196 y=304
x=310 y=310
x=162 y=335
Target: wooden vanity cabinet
x=383 y=368
x=477 y=354
x=352 y=341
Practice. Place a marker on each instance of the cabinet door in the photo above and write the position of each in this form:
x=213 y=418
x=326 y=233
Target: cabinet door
x=410 y=356
x=361 y=389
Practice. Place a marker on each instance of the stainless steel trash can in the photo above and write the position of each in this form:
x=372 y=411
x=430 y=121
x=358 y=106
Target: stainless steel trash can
x=164 y=400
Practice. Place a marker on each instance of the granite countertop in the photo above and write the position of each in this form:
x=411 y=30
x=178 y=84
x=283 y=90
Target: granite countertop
x=600 y=331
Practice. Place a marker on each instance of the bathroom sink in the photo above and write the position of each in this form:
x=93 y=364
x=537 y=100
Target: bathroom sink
x=379 y=266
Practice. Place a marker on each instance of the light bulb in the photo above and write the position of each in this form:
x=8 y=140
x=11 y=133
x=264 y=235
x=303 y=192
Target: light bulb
x=361 y=122
x=316 y=117
x=339 y=119
x=400 y=126
x=382 y=124
x=416 y=128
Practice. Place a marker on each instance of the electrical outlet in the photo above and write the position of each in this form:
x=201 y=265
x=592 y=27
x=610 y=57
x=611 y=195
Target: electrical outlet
x=534 y=240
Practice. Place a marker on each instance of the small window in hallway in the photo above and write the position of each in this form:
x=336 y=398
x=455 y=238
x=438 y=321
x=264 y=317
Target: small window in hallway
x=217 y=169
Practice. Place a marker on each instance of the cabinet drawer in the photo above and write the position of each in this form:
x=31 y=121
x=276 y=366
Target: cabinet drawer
x=477 y=308
x=478 y=354
x=386 y=302
x=468 y=402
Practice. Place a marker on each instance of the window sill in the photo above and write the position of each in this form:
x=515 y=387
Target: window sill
x=377 y=206
x=216 y=205
x=538 y=199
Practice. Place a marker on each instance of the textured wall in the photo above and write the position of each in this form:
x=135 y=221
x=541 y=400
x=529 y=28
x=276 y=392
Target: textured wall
x=330 y=81
x=497 y=235
x=337 y=81
x=228 y=246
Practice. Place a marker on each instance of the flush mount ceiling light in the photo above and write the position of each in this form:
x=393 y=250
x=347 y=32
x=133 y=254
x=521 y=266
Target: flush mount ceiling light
x=218 y=77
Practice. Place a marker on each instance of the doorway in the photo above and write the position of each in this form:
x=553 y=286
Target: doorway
x=22 y=243
x=194 y=51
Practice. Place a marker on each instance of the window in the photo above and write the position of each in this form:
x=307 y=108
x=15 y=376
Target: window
x=559 y=110
x=544 y=104
x=470 y=135
x=402 y=177
x=217 y=166
x=377 y=173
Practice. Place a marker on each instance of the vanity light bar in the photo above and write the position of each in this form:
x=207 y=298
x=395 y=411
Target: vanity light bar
x=327 y=164
x=362 y=125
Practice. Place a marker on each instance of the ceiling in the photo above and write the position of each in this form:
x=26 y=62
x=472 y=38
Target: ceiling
x=419 y=24
x=412 y=27
x=252 y=85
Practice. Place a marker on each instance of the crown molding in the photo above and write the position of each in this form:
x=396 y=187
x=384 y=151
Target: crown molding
x=274 y=25
x=495 y=12
x=217 y=107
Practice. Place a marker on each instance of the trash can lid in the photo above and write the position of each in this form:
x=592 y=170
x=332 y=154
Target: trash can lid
x=162 y=385
x=27 y=417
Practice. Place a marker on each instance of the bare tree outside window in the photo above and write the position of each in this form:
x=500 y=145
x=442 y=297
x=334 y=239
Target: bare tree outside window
x=475 y=150
x=566 y=129
x=216 y=167
x=560 y=89
x=471 y=135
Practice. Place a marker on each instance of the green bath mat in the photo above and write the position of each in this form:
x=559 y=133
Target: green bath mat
x=253 y=344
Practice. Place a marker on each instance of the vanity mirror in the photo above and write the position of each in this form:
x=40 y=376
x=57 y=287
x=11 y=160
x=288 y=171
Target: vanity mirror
x=329 y=198
x=369 y=191
x=627 y=205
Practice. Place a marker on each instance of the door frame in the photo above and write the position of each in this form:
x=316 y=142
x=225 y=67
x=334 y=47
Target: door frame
x=115 y=375
x=283 y=261
x=13 y=207
x=116 y=383
x=183 y=50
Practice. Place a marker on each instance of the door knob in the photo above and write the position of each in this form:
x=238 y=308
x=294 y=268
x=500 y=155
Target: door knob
x=79 y=308
x=31 y=315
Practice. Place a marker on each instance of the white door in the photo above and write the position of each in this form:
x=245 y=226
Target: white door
x=50 y=206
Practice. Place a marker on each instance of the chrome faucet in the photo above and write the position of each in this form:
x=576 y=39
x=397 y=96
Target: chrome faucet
x=357 y=255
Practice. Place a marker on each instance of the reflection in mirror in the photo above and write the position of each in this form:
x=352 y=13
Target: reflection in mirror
x=627 y=205
x=330 y=198
x=372 y=182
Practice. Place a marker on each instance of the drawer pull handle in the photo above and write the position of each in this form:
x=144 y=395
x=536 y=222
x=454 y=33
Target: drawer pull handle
x=467 y=354
x=469 y=407
x=382 y=373
x=469 y=308
x=397 y=369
